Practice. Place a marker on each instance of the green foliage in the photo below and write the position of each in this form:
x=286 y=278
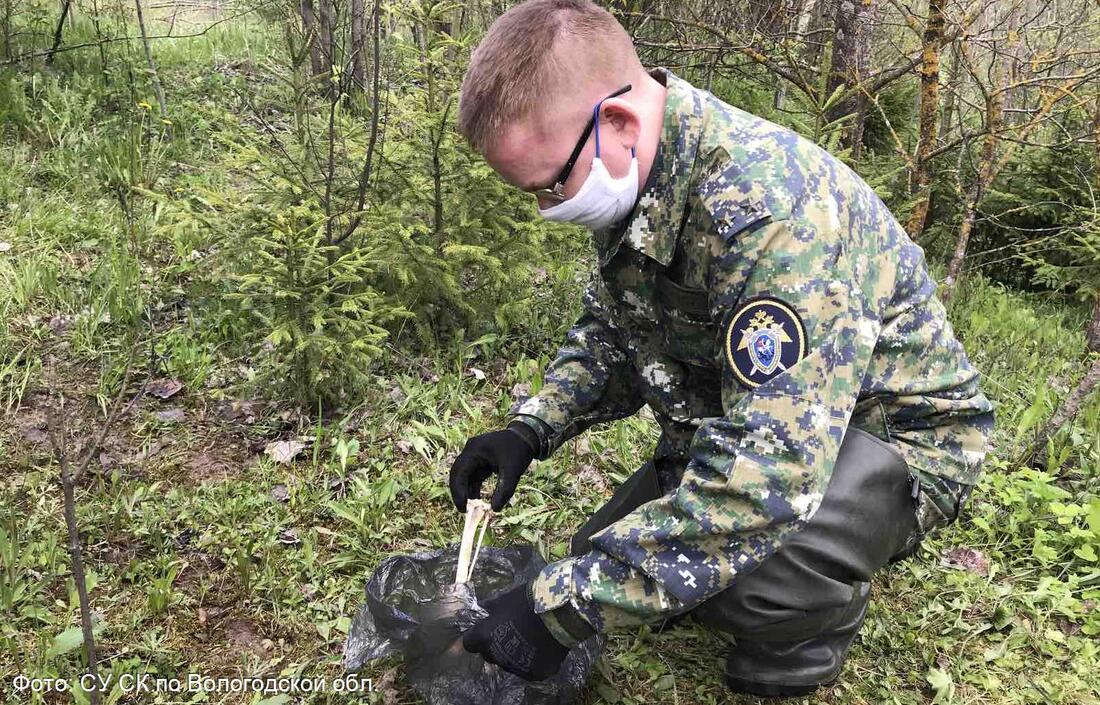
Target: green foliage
x=311 y=285
x=318 y=326
x=1076 y=265
x=1036 y=221
x=1028 y=349
x=895 y=114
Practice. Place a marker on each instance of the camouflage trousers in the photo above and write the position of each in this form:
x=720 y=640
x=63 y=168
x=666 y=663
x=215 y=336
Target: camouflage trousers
x=868 y=518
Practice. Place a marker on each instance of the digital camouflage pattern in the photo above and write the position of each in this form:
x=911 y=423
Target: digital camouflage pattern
x=737 y=208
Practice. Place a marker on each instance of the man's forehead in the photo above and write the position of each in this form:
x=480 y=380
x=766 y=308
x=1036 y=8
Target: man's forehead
x=526 y=153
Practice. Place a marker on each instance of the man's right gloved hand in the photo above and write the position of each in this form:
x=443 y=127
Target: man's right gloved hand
x=505 y=453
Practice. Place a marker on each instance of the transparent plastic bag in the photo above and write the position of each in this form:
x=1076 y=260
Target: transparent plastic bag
x=415 y=608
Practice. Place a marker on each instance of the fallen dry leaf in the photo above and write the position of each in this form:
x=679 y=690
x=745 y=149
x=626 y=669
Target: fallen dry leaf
x=425 y=370
x=283 y=451
x=589 y=477
x=60 y=323
x=157 y=447
x=33 y=425
x=280 y=493
x=173 y=415
x=239 y=410
x=164 y=388
x=205 y=466
x=966 y=559
x=387 y=686
x=242 y=634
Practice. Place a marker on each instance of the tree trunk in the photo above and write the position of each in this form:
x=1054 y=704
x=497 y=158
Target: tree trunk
x=1076 y=398
x=1015 y=63
x=328 y=43
x=847 y=67
x=929 y=114
x=805 y=15
x=1071 y=405
x=437 y=177
x=950 y=102
x=312 y=35
x=150 y=63
x=987 y=170
x=57 y=32
x=76 y=559
x=100 y=44
x=866 y=25
x=1092 y=330
x=8 y=53
x=372 y=142
x=358 y=47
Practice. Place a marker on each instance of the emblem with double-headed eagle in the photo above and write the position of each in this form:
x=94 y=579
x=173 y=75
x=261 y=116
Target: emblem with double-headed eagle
x=764 y=338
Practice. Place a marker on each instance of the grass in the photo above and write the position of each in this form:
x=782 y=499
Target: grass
x=205 y=556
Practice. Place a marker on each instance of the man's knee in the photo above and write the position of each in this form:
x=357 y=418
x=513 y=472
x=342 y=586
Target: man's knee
x=641 y=487
x=864 y=519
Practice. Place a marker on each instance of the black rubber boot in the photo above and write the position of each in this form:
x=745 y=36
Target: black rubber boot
x=794 y=617
x=791 y=668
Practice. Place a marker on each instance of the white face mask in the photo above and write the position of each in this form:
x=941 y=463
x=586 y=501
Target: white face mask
x=602 y=199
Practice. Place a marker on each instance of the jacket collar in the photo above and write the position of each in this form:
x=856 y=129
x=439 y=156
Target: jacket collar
x=653 y=227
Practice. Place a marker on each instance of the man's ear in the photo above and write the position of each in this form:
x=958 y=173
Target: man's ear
x=624 y=118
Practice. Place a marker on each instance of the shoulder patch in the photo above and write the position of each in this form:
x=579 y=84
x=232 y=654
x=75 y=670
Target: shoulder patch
x=765 y=336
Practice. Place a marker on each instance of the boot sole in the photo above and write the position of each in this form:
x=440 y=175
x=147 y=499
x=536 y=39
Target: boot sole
x=772 y=690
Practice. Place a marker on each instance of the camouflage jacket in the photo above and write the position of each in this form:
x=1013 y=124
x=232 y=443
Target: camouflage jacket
x=760 y=298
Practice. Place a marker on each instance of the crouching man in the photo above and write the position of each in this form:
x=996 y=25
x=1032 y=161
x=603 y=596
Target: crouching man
x=818 y=414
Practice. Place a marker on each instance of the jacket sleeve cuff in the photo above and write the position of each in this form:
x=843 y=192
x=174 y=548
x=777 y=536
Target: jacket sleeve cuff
x=544 y=434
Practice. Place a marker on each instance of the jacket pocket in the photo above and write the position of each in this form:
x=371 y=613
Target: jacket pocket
x=686 y=322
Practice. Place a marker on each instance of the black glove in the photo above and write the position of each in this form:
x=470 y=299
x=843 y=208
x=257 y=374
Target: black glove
x=515 y=638
x=506 y=453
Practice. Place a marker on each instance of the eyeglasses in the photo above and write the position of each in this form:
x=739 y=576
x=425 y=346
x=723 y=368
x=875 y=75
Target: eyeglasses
x=556 y=193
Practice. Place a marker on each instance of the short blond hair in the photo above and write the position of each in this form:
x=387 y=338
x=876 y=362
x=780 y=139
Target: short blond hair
x=535 y=53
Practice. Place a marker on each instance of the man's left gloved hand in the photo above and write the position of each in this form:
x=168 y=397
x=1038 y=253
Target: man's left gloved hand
x=515 y=638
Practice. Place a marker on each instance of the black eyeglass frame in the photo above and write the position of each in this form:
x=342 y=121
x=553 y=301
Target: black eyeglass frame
x=556 y=192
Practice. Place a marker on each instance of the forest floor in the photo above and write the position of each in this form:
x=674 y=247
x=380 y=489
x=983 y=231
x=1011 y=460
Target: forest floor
x=226 y=535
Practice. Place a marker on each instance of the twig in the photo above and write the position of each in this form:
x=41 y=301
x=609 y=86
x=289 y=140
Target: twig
x=59 y=438
x=157 y=88
x=76 y=555
x=368 y=160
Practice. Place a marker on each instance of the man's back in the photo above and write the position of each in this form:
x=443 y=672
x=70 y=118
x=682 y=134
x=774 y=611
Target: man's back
x=699 y=235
